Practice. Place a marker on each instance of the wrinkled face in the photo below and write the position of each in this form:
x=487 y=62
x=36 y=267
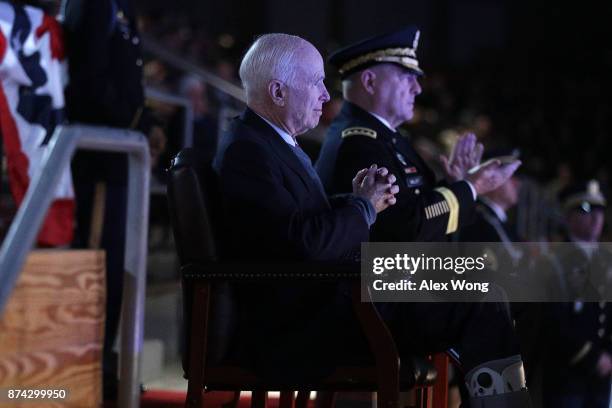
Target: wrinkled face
x=307 y=93
x=586 y=226
x=396 y=90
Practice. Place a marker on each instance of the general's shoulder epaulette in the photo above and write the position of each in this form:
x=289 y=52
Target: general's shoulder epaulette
x=352 y=131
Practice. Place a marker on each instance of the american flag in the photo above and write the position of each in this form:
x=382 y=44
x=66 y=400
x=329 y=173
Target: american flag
x=32 y=80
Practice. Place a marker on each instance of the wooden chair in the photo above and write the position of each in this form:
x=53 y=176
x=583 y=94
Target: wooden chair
x=191 y=188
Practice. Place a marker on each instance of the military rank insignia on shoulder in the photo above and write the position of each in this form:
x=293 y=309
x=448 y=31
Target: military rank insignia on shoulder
x=362 y=131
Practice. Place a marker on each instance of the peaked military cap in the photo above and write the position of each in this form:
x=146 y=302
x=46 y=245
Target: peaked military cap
x=583 y=195
x=398 y=47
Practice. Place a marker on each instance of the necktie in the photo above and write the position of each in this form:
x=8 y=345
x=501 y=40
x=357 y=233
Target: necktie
x=307 y=163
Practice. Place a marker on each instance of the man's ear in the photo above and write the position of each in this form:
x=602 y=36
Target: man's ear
x=368 y=80
x=277 y=92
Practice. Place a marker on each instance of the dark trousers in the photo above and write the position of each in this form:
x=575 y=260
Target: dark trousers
x=477 y=332
x=112 y=240
x=577 y=401
x=327 y=333
x=575 y=388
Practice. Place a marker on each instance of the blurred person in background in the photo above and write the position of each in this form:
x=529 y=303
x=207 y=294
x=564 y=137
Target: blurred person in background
x=577 y=334
x=105 y=68
x=204 y=123
x=491 y=227
x=491 y=222
x=156 y=75
x=227 y=71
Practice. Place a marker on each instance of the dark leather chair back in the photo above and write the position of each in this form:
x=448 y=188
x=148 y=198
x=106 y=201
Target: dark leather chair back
x=195 y=212
x=192 y=185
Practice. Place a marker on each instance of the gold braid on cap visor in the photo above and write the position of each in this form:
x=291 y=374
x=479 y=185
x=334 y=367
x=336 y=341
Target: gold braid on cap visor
x=403 y=56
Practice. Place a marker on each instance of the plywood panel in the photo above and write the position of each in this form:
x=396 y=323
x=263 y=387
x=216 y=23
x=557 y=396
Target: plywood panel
x=52 y=329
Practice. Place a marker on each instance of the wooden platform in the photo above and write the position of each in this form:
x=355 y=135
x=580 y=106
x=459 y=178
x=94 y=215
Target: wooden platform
x=52 y=329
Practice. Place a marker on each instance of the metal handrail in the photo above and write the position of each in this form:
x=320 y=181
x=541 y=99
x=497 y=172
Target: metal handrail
x=26 y=224
x=183 y=64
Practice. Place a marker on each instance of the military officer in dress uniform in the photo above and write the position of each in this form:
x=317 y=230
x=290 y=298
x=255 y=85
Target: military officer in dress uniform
x=577 y=366
x=380 y=83
x=105 y=88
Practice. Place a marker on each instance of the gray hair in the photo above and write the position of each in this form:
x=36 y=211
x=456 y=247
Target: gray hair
x=271 y=56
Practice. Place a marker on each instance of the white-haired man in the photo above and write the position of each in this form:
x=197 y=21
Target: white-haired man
x=276 y=207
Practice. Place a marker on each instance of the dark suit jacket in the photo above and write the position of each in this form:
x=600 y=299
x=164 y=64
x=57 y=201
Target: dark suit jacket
x=105 y=62
x=105 y=67
x=274 y=210
x=421 y=213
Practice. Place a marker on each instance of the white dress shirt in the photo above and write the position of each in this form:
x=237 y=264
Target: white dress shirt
x=286 y=136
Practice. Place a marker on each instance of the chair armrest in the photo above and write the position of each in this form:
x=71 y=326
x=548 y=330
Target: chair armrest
x=267 y=271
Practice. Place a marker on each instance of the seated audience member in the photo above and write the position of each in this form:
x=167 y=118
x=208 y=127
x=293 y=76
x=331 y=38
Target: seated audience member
x=380 y=83
x=276 y=209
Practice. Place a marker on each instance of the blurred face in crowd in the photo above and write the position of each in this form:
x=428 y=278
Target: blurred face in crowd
x=395 y=89
x=306 y=93
x=196 y=92
x=506 y=196
x=585 y=225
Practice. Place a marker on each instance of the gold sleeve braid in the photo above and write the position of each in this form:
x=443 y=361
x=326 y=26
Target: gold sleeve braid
x=453 y=205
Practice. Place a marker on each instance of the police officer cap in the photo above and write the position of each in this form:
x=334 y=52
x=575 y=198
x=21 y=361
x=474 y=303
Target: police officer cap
x=398 y=47
x=584 y=196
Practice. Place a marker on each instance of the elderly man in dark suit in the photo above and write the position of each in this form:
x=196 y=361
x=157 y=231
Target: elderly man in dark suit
x=276 y=208
x=380 y=84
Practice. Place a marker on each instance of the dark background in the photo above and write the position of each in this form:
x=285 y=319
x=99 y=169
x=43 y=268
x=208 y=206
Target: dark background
x=539 y=74
x=527 y=74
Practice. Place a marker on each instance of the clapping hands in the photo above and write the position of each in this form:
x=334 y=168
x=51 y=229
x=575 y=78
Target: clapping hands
x=466 y=154
x=376 y=185
x=464 y=164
